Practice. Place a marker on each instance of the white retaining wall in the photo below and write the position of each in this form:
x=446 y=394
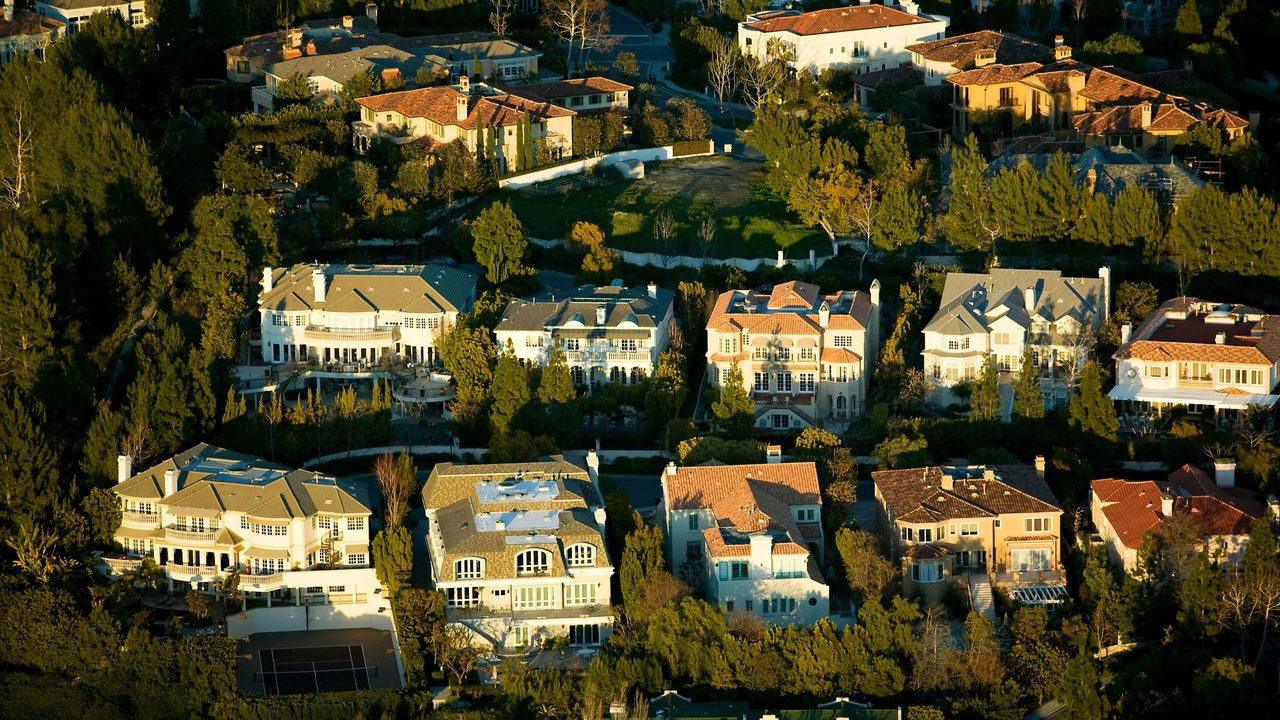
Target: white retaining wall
x=657 y=154
x=666 y=262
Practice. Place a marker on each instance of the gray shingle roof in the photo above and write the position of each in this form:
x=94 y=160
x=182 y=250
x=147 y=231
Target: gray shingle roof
x=621 y=305
x=426 y=289
x=971 y=301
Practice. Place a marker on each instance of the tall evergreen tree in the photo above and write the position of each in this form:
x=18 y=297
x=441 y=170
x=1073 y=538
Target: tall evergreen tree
x=984 y=402
x=499 y=242
x=969 y=207
x=1188 y=21
x=1136 y=219
x=556 y=386
x=1090 y=411
x=510 y=392
x=666 y=392
x=102 y=445
x=642 y=558
x=735 y=412
x=1027 y=400
x=28 y=463
x=901 y=216
x=27 y=312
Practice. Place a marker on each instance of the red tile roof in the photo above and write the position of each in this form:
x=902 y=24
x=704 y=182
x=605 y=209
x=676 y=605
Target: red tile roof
x=25 y=22
x=568 y=88
x=439 y=104
x=793 y=294
x=993 y=74
x=917 y=494
x=1252 y=339
x=746 y=499
x=794 y=305
x=1165 y=117
x=960 y=50
x=1133 y=507
x=842 y=19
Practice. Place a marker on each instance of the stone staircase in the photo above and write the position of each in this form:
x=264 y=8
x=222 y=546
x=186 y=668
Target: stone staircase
x=980 y=598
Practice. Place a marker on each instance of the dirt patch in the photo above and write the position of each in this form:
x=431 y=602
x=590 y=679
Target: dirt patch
x=721 y=181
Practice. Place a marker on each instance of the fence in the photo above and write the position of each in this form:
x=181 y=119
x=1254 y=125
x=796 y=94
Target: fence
x=657 y=154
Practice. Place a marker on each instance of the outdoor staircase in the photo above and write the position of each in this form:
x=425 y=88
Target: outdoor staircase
x=980 y=598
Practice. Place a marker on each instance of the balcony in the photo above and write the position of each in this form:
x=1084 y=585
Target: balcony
x=183 y=535
x=192 y=572
x=121 y=565
x=383 y=334
x=133 y=518
x=261 y=583
x=627 y=355
x=262 y=97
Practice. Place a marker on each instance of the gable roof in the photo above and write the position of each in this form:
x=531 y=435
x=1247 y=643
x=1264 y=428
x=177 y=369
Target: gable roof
x=1187 y=329
x=972 y=301
x=26 y=22
x=621 y=304
x=833 y=20
x=959 y=51
x=918 y=495
x=1133 y=507
x=486 y=107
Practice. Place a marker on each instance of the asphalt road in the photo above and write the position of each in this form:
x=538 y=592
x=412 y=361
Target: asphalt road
x=645 y=491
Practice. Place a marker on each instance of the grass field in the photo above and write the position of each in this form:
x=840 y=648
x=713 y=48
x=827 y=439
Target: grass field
x=747 y=223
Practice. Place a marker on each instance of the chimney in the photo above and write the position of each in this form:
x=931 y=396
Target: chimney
x=1104 y=273
x=593 y=462
x=318 y=284
x=1061 y=51
x=1220 y=339
x=268 y=279
x=124 y=467
x=653 y=290
x=1144 y=112
x=460 y=104
x=464 y=84
x=1040 y=466
x=1126 y=331
x=601 y=315
x=170 y=482
x=1091 y=180
x=773 y=454
x=1224 y=472
x=671 y=469
x=295 y=38
x=1029 y=299
x=824 y=314
x=311 y=47
x=948 y=482
x=499 y=525
x=1058 y=41
x=371 y=11
x=875 y=293
x=1166 y=504
x=348 y=22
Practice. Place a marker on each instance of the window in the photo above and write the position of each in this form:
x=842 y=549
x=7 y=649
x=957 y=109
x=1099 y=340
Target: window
x=519 y=636
x=1157 y=371
x=807 y=354
x=713 y=374
x=1025 y=559
x=760 y=353
x=468 y=569
x=357 y=559
x=728 y=606
x=1238 y=376
x=1037 y=525
x=1006 y=96
x=693 y=521
x=842 y=341
x=928 y=572
x=924 y=535
x=783 y=382
x=806 y=382
x=806 y=515
x=1002 y=338
x=580 y=555
x=859 y=48
x=958 y=343
x=579 y=594
x=908 y=534
x=1006 y=362
x=968 y=529
x=528 y=598
x=533 y=562
x=355 y=523
x=693 y=550
x=533 y=341
x=761 y=383
x=584 y=634
x=732 y=570
x=729 y=345
x=780 y=421
x=462 y=597
x=1194 y=371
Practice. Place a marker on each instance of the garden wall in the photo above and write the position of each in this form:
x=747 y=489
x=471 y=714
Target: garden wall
x=657 y=154
x=666 y=262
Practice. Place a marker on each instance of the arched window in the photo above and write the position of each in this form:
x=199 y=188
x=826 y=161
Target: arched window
x=580 y=555
x=533 y=562
x=578 y=376
x=468 y=569
x=841 y=403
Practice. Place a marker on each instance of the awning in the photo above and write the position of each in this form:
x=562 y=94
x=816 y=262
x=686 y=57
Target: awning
x=357 y=549
x=1039 y=594
x=139 y=533
x=1190 y=396
x=267 y=553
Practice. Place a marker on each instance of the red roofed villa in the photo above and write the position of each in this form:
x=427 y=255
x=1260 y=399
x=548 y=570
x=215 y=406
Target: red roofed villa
x=751 y=535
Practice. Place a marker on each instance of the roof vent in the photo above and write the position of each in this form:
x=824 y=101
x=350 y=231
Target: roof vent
x=1220 y=339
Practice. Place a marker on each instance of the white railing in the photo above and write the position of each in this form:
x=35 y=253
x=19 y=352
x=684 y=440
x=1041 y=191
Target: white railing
x=121 y=565
x=270 y=579
x=178 y=534
x=140 y=518
x=325 y=333
x=628 y=355
x=206 y=571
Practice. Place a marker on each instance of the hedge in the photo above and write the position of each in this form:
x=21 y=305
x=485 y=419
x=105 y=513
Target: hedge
x=690 y=147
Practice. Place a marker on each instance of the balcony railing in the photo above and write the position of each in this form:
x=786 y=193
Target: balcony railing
x=120 y=565
x=180 y=534
x=628 y=355
x=269 y=579
x=362 y=334
x=204 y=571
x=140 y=518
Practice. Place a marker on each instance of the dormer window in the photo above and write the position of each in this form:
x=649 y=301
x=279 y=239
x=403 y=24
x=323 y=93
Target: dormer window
x=534 y=561
x=468 y=569
x=580 y=555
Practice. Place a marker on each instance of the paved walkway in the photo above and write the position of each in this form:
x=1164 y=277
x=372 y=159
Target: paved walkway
x=865 y=512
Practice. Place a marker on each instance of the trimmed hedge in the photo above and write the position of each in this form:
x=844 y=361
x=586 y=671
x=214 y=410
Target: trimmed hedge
x=683 y=148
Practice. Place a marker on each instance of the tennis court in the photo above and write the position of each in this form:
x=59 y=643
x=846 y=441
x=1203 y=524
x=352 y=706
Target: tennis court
x=294 y=671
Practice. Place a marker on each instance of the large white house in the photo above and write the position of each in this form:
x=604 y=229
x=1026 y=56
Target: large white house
x=609 y=334
x=207 y=514
x=1216 y=359
x=1005 y=311
x=865 y=38
x=752 y=535
x=360 y=315
x=805 y=357
x=518 y=550
x=73 y=13
x=23 y=32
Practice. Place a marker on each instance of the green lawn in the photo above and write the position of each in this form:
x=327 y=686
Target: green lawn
x=748 y=224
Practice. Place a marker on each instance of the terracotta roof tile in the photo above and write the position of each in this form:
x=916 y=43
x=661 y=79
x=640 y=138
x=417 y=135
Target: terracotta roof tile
x=793 y=294
x=567 y=88
x=439 y=104
x=1253 y=339
x=994 y=74
x=911 y=493
x=842 y=19
x=840 y=356
x=1133 y=507
x=960 y=50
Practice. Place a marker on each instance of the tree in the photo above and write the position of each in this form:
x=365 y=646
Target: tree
x=29 y=478
x=1028 y=402
x=393 y=558
x=397 y=479
x=666 y=392
x=102 y=511
x=556 y=385
x=578 y=24
x=699 y=450
x=500 y=15
x=1082 y=691
x=981 y=652
x=969 y=222
x=1188 y=22
x=500 y=243
x=510 y=392
x=197 y=604
x=866 y=569
x=451 y=644
x=642 y=559
x=901 y=218
x=935 y=661
x=761 y=80
x=722 y=71
x=984 y=403
x=735 y=412
x=1090 y=412
x=816 y=442
x=1034 y=659
x=293 y=90
x=626 y=65
x=27 y=312
x=599 y=259
x=686 y=119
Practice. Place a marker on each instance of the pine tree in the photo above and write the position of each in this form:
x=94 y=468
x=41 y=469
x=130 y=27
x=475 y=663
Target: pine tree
x=510 y=392
x=27 y=312
x=1090 y=411
x=234 y=406
x=901 y=216
x=499 y=242
x=970 y=200
x=1027 y=400
x=1136 y=219
x=1095 y=225
x=468 y=355
x=642 y=558
x=734 y=410
x=666 y=392
x=102 y=445
x=984 y=403
x=1188 y=21
x=1082 y=694
x=393 y=558
x=556 y=386
x=1062 y=197
x=29 y=475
